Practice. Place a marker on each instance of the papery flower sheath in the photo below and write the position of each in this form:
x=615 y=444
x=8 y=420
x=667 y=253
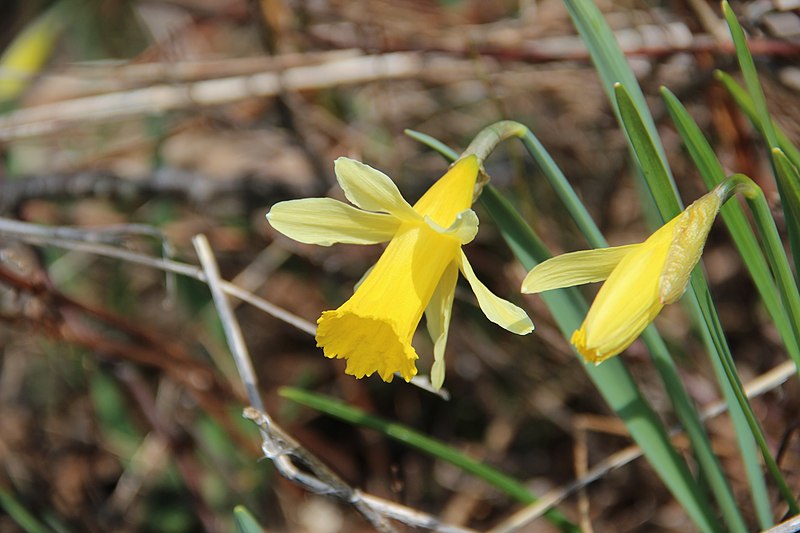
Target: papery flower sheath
x=640 y=278
x=416 y=273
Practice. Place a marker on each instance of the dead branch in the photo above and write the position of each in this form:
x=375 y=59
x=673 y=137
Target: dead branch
x=47 y=119
x=191 y=186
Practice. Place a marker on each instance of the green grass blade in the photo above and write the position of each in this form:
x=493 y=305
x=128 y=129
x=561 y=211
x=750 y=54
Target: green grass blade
x=745 y=103
x=682 y=403
x=563 y=189
x=611 y=378
x=244 y=521
x=750 y=74
x=433 y=143
x=652 y=164
x=735 y=219
x=653 y=169
x=428 y=445
x=789 y=192
x=17 y=512
x=773 y=245
x=609 y=61
x=755 y=428
x=613 y=69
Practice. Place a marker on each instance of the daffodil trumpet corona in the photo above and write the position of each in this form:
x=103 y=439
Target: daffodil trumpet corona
x=416 y=273
x=640 y=279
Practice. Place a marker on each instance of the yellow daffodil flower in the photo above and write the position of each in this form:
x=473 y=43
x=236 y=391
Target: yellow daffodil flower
x=640 y=278
x=416 y=273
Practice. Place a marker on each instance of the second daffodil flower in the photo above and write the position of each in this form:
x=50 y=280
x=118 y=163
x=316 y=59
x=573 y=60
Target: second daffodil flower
x=416 y=273
x=640 y=278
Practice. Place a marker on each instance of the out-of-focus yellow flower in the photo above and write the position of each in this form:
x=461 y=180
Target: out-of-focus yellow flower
x=640 y=278
x=28 y=52
x=417 y=272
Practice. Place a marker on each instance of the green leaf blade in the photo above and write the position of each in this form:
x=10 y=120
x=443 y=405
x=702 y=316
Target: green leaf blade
x=336 y=408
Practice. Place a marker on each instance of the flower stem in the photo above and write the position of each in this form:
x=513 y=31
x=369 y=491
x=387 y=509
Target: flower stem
x=787 y=288
x=489 y=137
x=774 y=251
x=730 y=371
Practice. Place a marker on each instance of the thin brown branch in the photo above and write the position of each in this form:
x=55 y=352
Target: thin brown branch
x=47 y=119
x=191 y=186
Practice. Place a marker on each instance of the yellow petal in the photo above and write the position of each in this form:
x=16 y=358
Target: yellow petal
x=325 y=221
x=627 y=302
x=452 y=194
x=464 y=228
x=371 y=189
x=501 y=312
x=373 y=329
x=576 y=268
x=688 y=240
x=437 y=319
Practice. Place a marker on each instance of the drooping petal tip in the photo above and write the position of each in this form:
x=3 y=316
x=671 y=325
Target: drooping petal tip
x=464 y=228
x=596 y=354
x=578 y=340
x=437 y=315
x=502 y=312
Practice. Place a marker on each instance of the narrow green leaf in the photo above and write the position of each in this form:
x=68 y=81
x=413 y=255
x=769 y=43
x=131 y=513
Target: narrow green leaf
x=614 y=71
x=755 y=429
x=774 y=246
x=611 y=378
x=609 y=61
x=428 y=445
x=652 y=164
x=735 y=219
x=789 y=193
x=24 y=519
x=745 y=103
x=653 y=169
x=750 y=74
x=245 y=522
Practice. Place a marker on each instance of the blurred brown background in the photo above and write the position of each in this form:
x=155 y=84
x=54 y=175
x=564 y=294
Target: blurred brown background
x=120 y=411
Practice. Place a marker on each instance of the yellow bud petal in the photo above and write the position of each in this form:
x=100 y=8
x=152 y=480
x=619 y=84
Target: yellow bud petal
x=627 y=302
x=688 y=239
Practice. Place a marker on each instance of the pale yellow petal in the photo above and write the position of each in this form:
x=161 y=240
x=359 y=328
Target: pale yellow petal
x=501 y=312
x=463 y=229
x=325 y=221
x=371 y=189
x=576 y=268
x=437 y=318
